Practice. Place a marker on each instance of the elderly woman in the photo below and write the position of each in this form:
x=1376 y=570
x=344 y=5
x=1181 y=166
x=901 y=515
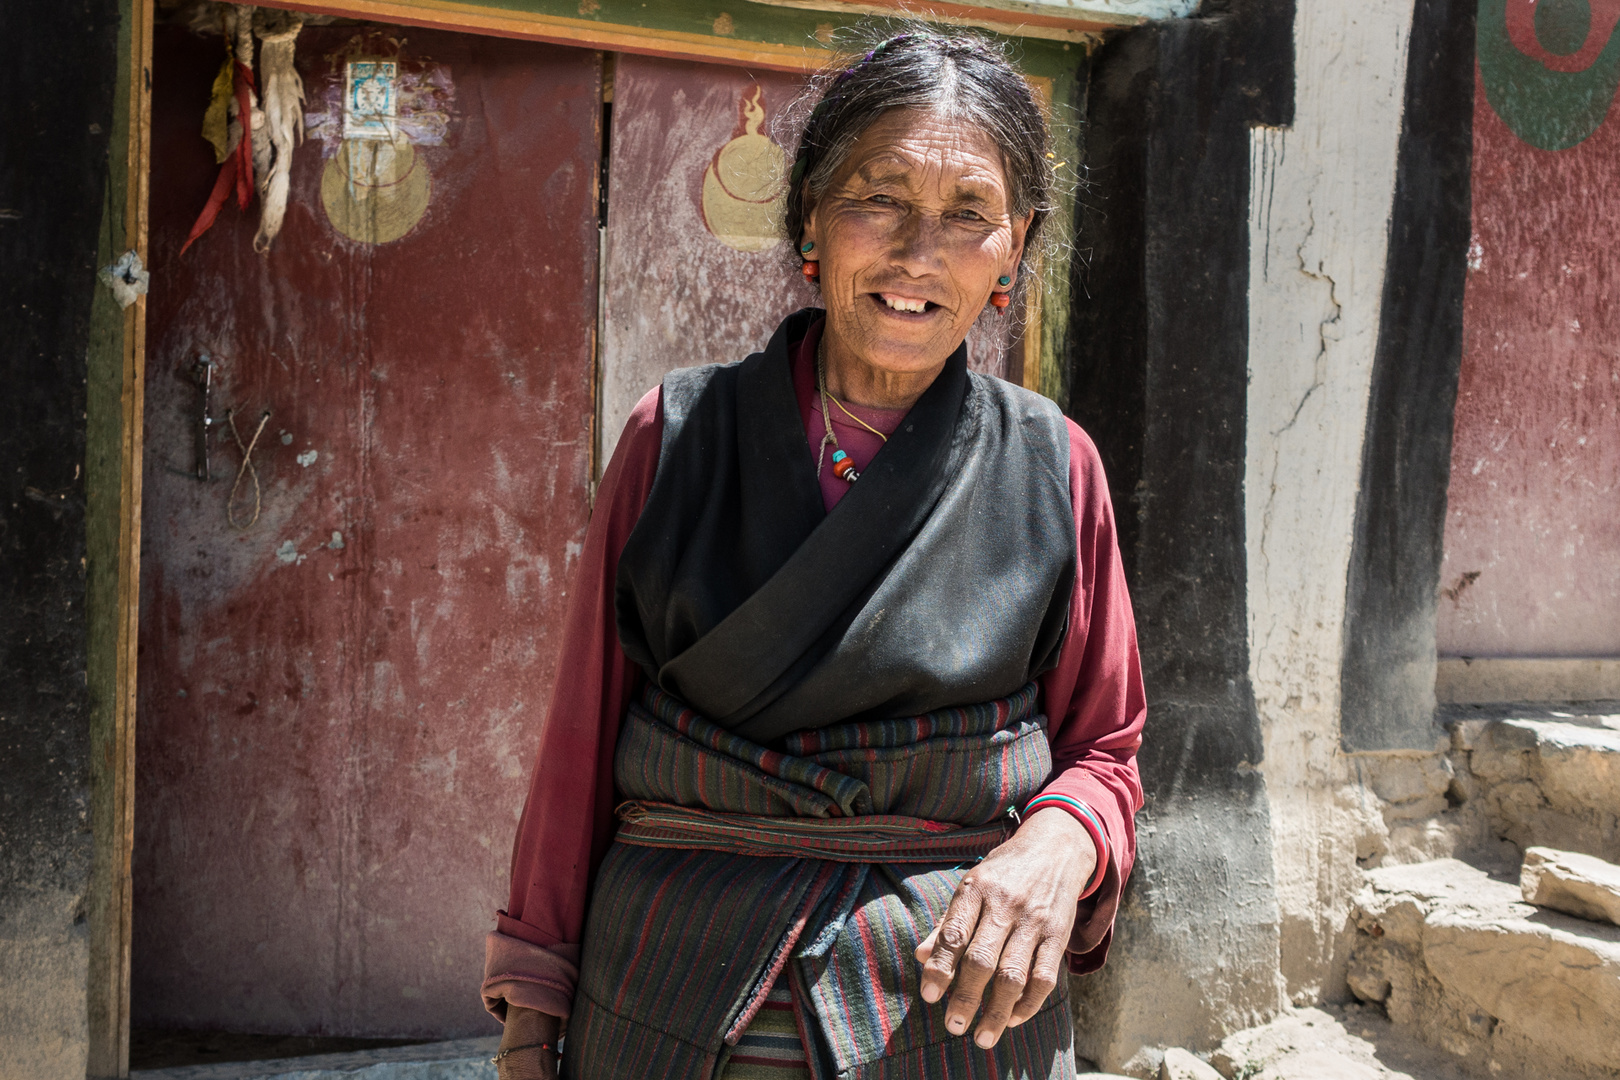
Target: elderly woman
x=840 y=769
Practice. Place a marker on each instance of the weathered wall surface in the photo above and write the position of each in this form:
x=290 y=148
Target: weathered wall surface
x=56 y=121
x=1319 y=212
x=1161 y=339
x=1532 y=546
x=692 y=273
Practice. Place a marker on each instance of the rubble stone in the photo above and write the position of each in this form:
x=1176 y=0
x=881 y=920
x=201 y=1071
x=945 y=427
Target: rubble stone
x=1179 y=1064
x=1575 y=884
x=1462 y=961
x=1409 y=778
x=1547 y=782
x=1311 y=1044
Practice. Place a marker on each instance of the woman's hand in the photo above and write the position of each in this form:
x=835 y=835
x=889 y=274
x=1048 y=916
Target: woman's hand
x=1008 y=926
x=526 y=1027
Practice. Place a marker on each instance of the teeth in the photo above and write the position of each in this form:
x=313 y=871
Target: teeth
x=901 y=303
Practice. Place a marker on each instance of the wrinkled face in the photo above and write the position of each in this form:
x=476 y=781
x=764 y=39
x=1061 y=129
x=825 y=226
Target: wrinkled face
x=912 y=234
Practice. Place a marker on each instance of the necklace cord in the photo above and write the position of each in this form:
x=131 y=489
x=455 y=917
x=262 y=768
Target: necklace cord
x=826 y=412
x=844 y=409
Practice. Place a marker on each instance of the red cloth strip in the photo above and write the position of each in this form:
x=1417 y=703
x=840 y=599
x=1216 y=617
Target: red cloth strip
x=245 y=89
x=237 y=170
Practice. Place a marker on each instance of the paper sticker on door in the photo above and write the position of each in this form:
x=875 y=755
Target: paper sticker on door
x=370 y=99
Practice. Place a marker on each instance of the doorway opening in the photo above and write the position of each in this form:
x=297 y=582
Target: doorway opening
x=369 y=457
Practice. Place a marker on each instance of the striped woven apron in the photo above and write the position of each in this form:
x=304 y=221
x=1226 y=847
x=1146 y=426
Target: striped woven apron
x=759 y=908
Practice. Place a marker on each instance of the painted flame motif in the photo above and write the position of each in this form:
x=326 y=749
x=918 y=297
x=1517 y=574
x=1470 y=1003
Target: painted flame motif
x=745 y=183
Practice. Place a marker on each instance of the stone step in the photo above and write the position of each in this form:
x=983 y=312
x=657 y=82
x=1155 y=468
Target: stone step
x=459 y=1059
x=1579 y=885
x=1349 y=1042
x=1461 y=960
x=1545 y=781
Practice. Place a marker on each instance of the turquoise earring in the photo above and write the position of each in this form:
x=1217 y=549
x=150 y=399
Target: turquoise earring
x=807 y=247
x=1004 y=281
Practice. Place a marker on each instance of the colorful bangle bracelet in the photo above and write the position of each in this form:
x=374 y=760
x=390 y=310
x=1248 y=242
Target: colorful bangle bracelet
x=1089 y=821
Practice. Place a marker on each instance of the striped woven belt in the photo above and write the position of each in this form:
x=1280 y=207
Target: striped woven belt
x=867 y=838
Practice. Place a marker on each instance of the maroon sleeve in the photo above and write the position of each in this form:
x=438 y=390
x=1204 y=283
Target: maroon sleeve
x=1095 y=703
x=532 y=958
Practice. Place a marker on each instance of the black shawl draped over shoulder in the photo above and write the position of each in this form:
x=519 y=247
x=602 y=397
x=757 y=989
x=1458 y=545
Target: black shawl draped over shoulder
x=941 y=578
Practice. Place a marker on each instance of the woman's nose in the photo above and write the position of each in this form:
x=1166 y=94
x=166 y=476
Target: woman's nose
x=917 y=241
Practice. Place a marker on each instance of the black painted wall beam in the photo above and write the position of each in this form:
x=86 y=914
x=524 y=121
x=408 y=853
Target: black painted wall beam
x=1159 y=344
x=1388 y=667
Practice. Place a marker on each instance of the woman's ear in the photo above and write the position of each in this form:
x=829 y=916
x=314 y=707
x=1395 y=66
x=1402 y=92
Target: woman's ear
x=807 y=230
x=1020 y=230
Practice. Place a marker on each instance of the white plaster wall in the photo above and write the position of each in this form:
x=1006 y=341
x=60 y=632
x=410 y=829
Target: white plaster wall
x=44 y=965
x=1319 y=226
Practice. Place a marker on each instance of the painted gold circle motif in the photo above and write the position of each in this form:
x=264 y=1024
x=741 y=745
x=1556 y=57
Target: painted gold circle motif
x=375 y=191
x=745 y=185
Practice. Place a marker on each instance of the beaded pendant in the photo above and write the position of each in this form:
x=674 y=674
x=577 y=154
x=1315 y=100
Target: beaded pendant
x=844 y=467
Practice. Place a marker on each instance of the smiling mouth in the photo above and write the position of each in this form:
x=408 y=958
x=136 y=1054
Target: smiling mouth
x=905 y=305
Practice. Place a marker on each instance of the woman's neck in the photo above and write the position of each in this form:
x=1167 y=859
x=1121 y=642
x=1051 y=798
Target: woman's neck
x=854 y=381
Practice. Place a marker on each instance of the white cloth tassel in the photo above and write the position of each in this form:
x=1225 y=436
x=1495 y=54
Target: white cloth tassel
x=283 y=119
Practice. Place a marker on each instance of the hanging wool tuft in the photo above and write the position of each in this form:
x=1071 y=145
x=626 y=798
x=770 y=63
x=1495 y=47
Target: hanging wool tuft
x=283 y=113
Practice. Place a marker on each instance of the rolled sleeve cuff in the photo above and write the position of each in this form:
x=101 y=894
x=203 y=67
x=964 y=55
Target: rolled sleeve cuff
x=517 y=972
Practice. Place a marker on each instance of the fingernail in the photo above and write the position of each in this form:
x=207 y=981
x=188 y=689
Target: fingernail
x=985 y=1040
x=956 y=1025
x=930 y=993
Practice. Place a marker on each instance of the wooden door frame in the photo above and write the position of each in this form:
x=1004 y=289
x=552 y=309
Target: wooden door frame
x=120 y=360
x=116 y=362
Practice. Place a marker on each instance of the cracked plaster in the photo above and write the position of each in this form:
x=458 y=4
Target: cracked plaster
x=1319 y=220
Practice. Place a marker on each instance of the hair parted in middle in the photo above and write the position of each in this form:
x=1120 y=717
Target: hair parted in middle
x=960 y=74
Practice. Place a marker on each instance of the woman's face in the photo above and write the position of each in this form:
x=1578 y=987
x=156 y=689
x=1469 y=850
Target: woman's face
x=912 y=234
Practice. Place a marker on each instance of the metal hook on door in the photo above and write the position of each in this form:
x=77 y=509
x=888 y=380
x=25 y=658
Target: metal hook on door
x=202 y=374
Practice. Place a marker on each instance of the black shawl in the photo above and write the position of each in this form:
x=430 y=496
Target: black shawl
x=942 y=578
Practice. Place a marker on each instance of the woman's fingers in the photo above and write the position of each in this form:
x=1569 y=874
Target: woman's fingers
x=974 y=970
x=1043 y=979
x=1001 y=942
x=950 y=939
x=1007 y=985
x=529 y=1065
x=925 y=948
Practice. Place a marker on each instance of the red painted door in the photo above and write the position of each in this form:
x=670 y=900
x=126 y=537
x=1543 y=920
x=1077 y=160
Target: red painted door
x=338 y=702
